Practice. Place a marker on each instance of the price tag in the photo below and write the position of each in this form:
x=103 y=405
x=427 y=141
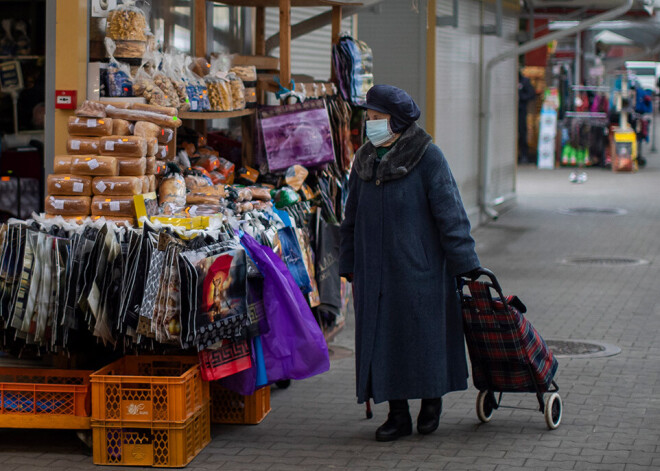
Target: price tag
x=93 y=164
x=109 y=145
x=75 y=144
x=78 y=187
x=91 y=123
x=101 y=187
x=114 y=205
x=57 y=204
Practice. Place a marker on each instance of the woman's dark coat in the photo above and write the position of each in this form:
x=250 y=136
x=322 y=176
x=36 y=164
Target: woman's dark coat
x=405 y=236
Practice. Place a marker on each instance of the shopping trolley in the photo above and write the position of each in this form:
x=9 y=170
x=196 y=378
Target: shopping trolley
x=506 y=352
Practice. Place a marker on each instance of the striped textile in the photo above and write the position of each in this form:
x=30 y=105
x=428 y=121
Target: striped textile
x=503 y=344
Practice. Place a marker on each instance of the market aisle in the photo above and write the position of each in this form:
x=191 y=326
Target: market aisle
x=612 y=405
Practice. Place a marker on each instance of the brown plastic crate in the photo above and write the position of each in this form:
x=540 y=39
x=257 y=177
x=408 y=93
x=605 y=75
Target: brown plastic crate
x=163 y=445
x=44 y=398
x=228 y=407
x=148 y=389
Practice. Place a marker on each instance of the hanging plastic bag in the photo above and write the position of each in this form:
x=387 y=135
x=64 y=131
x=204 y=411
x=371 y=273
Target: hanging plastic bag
x=118 y=76
x=195 y=88
x=144 y=84
x=127 y=22
x=294 y=347
x=173 y=68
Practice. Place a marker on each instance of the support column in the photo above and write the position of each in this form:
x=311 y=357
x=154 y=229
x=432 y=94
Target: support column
x=336 y=31
x=430 y=67
x=285 y=43
x=260 y=32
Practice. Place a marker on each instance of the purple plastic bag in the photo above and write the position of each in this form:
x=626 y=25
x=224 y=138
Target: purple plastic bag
x=294 y=348
x=297 y=134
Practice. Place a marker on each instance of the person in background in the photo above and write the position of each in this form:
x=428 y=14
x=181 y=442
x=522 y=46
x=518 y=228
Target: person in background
x=404 y=239
x=526 y=93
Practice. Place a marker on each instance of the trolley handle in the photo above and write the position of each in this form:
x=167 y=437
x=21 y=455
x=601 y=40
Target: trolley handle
x=479 y=272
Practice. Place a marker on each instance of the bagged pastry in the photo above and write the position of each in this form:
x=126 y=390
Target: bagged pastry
x=127 y=22
x=146 y=129
x=150 y=168
x=71 y=185
x=144 y=86
x=89 y=126
x=118 y=81
x=95 y=165
x=172 y=189
x=121 y=127
x=163 y=82
x=79 y=145
x=173 y=65
x=152 y=147
x=237 y=92
x=62 y=164
x=130 y=166
x=114 y=206
x=139 y=115
x=262 y=194
x=67 y=205
x=161 y=167
x=117 y=186
x=195 y=88
x=124 y=146
x=91 y=109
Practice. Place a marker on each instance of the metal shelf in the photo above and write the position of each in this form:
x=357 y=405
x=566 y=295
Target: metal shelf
x=215 y=114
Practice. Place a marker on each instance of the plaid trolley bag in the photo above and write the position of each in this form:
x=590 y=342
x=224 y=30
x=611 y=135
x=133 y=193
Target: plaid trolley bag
x=506 y=352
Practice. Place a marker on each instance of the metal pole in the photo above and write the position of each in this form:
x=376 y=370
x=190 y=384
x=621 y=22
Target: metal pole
x=654 y=130
x=14 y=99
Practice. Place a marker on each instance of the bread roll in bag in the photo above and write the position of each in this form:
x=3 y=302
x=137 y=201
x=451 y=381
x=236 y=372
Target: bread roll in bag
x=67 y=205
x=152 y=147
x=89 y=126
x=121 y=127
x=117 y=186
x=116 y=206
x=69 y=185
x=129 y=166
x=124 y=146
x=80 y=145
x=94 y=165
x=62 y=164
x=146 y=129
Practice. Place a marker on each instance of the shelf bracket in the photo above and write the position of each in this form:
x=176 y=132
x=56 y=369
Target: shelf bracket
x=496 y=29
x=449 y=20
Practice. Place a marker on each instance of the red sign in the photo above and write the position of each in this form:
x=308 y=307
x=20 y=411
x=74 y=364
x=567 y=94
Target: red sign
x=65 y=99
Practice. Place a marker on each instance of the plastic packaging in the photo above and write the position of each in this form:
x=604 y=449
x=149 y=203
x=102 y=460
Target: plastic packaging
x=295 y=176
x=130 y=166
x=258 y=193
x=146 y=129
x=195 y=88
x=163 y=82
x=117 y=186
x=162 y=154
x=153 y=183
x=89 y=126
x=197 y=182
x=205 y=195
x=152 y=147
x=83 y=145
x=119 y=82
x=144 y=86
x=150 y=168
x=161 y=167
x=172 y=189
x=62 y=164
x=220 y=96
x=121 y=127
x=237 y=92
x=115 y=206
x=72 y=185
x=120 y=221
x=166 y=135
x=199 y=66
x=124 y=146
x=139 y=115
x=67 y=205
x=94 y=165
x=91 y=109
x=209 y=162
x=167 y=110
x=145 y=183
x=127 y=22
x=172 y=64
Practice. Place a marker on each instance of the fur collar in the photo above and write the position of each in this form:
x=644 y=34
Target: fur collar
x=399 y=161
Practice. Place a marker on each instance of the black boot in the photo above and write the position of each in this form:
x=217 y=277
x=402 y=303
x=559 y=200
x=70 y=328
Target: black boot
x=429 y=415
x=398 y=424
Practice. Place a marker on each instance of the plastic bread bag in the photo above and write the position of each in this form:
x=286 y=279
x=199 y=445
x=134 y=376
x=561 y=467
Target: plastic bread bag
x=144 y=85
x=166 y=135
x=79 y=145
x=195 y=88
x=167 y=110
x=217 y=82
x=172 y=188
x=94 y=165
x=121 y=127
x=93 y=127
x=91 y=109
x=62 y=164
x=145 y=183
x=124 y=146
x=67 y=205
x=150 y=168
x=146 y=129
x=173 y=68
x=163 y=154
x=115 y=206
x=117 y=186
x=118 y=75
x=140 y=115
x=69 y=185
x=237 y=92
x=131 y=167
x=152 y=147
x=163 y=82
x=127 y=22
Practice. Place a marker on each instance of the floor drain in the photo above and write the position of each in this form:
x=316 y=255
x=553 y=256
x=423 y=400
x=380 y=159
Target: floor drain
x=604 y=261
x=581 y=348
x=337 y=353
x=581 y=211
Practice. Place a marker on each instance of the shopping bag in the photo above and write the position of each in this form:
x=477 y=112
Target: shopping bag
x=228 y=359
x=293 y=257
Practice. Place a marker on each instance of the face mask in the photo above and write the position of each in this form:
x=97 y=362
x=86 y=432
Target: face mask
x=378 y=131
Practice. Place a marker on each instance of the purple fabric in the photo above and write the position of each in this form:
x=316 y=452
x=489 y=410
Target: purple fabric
x=294 y=348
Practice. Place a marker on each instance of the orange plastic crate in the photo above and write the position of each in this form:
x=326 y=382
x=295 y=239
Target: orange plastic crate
x=163 y=445
x=148 y=389
x=44 y=398
x=228 y=407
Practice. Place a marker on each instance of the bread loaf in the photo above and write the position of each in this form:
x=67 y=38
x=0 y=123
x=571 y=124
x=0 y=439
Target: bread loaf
x=145 y=183
x=79 y=145
x=67 y=205
x=121 y=127
x=120 y=221
x=78 y=219
x=71 y=185
x=137 y=115
x=62 y=164
x=117 y=186
x=146 y=129
x=129 y=166
x=153 y=183
x=94 y=165
x=162 y=154
x=91 y=109
x=89 y=126
x=152 y=147
x=168 y=110
x=161 y=167
x=116 y=206
x=124 y=146
x=151 y=166
x=166 y=135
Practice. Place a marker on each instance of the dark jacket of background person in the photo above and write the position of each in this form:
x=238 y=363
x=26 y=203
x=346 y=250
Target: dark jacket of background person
x=405 y=236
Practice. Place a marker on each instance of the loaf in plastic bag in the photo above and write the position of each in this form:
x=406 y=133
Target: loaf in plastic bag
x=168 y=110
x=117 y=186
x=151 y=166
x=153 y=183
x=163 y=154
x=127 y=22
x=139 y=115
x=62 y=164
x=67 y=205
x=120 y=221
x=166 y=135
x=146 y=129
x=121 y=127
x=124 y=146
x=79 y=145
x=130 y=166
x=118 y=80
x=172 y=189
x=71 y=185
x=91 y=109
x=89 y=126
x=152 y=147
x=116 y=206
x=145 y=183
x=95 y=165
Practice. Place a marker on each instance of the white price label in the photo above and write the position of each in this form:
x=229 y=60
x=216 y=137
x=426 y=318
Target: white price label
x=91 y=123
x=193 y=106
x=77 y=187
x=109 y=145
x=101 y=186
x=57 y=204
x=114 y=205
x=75 y=145
x=93 y=164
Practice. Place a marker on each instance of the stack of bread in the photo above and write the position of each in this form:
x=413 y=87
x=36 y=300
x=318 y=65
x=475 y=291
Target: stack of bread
x=114 y=153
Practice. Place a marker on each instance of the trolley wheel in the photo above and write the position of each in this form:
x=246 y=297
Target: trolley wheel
x=485 y=406
x=553 y=410
x=285 y=383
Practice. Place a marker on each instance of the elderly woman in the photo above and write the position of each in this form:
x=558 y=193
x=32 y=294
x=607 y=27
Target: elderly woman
x=404 y=239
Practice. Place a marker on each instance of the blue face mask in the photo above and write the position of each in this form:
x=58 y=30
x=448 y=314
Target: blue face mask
x=379 y=132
